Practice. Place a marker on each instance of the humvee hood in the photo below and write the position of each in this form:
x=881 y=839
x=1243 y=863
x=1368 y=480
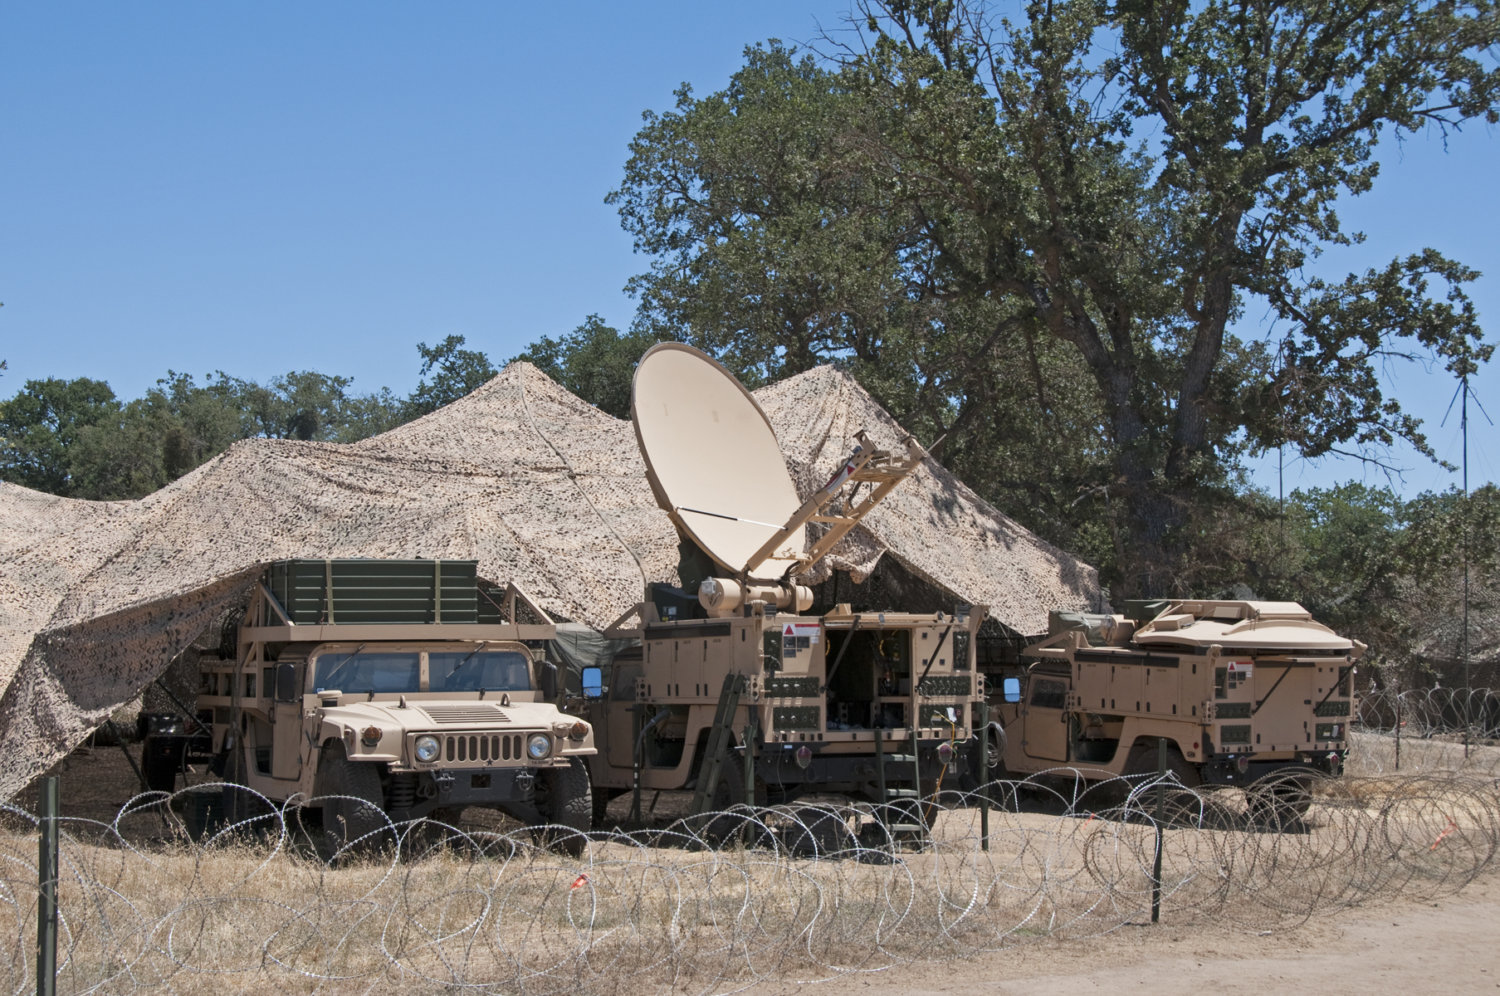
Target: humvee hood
x=438 y=715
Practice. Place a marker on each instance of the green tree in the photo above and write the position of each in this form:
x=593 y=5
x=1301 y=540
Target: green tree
x=1388 y=571
x=40 y=424
x=455 y=372
x=594 y=362
x=74 y=438
x=366 y=415
x=780 y=242
x=985 y=180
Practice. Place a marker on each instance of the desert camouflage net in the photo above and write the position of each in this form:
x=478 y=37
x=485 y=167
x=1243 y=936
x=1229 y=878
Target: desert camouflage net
x=540 y=488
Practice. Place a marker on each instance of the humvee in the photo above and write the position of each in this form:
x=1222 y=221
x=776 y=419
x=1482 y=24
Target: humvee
x=391 y=690
x=1255 y=694
x=735 y=690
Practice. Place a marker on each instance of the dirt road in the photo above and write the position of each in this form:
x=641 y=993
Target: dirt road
x=1448 y=947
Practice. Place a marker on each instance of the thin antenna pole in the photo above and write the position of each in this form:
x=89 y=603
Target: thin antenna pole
x=1463 y=422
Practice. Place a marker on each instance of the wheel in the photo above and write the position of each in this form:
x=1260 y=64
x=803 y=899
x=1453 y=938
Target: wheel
x=1182 y=804
x=564 y=799
x=818 y=831
x=202 y=814
x=985 y=774
x=717 y=825
x=353 y=803
x=1278 y=802
x=602 y=798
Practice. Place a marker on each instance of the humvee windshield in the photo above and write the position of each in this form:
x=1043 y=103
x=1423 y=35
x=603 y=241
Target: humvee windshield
x=369 y=671
x=395 y=671
x=492 y=670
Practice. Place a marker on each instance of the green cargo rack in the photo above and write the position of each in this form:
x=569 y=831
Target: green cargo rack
x=360 y=592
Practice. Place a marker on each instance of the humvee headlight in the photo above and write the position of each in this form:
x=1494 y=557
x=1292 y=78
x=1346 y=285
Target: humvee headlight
x=538 y=746
x=426 y=749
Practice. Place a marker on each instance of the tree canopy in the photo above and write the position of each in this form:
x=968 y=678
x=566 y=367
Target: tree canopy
x=1086 y=255
x=1042 y=238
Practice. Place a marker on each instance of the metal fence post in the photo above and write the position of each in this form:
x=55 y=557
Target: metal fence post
x=1161 y=806
x=46 y=905
x=1398 y=729
x=982 y=719
x=747 y=833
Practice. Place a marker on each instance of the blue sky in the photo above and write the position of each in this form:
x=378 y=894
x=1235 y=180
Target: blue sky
x=258 y=188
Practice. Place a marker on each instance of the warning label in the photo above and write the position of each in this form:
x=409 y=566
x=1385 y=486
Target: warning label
x=798 y=636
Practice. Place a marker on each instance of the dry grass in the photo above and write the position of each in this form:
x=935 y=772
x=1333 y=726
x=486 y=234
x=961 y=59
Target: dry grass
x=489 y=912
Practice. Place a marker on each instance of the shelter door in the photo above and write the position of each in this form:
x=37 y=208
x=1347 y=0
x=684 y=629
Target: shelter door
x=1046 y=725
x=620 y=715
x=286 y=740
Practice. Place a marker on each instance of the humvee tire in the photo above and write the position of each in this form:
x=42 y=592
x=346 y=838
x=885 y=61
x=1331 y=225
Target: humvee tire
x=564 y=798
x=818 y=831
x=1277 y=802
x=730 y=792
x=202 y=814
x=353 y=804
x=1182 y=804
x=987 y=774
x=601 y=800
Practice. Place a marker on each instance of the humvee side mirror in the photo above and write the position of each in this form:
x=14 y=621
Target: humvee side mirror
x=1010 y=689
x=593 y=682
x=286 y=683
x=546 y=678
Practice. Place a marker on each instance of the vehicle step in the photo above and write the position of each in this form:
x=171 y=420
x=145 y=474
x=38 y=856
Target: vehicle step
x=906 y=828
x=899 y=793
x=900 y=758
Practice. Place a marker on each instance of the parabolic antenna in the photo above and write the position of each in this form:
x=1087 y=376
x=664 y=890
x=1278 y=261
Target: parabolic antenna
x=713 y=460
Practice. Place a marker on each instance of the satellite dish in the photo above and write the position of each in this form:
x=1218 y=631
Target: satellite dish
x=713 y=460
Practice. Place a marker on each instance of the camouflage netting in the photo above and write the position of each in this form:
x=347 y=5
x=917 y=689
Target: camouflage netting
x=539 y=487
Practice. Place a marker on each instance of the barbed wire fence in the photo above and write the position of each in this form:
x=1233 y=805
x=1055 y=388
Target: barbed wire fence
x=722 y=901
x=1431 y=712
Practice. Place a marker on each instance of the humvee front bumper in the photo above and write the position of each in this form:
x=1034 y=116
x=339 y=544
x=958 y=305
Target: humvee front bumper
x=482 y=786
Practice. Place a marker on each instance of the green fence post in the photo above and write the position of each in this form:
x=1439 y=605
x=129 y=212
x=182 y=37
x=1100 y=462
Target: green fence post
x=747 y=833
x=982 y=719
x=1161 y=807
x=46 y=875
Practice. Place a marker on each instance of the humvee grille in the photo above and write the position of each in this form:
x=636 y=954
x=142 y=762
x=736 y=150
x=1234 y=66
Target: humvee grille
x=465 y=712
x=482 y=747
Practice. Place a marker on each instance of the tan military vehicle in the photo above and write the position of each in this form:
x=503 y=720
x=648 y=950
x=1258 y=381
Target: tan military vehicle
x=736 y=688
x=393 y=690
x=1255 y=694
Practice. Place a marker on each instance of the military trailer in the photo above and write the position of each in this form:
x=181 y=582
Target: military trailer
x=1254 y=694
x=391 y=689
x=735 y=689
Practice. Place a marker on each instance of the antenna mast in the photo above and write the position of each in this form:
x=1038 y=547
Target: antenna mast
x=1462 y=394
